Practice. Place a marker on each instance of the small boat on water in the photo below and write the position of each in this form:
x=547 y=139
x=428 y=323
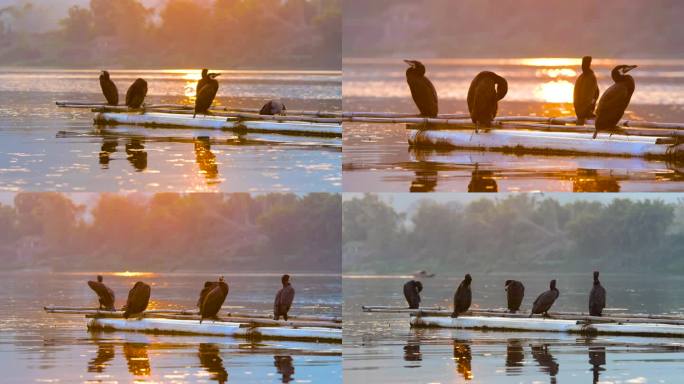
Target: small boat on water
x=568 y=322
x=324 y=329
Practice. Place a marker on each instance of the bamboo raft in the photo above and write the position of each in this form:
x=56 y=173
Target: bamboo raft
x=568 y=322
x=538 y=135
x=179 y=116
x=327 y=329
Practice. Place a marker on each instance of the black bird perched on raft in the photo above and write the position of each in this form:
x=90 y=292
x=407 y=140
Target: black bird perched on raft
x=109 y=90
x=422 y=90
x=586 y=92
x=213 y=300
x=545 y=300
x=273 y=107
x=135 y=96
x=412 y=291
x=463 y=297
x=615 y=99
x=485 y=91
x=283 y=299
x=138 y=298
x=104 y=293
x=515 y=291
x=206 y=95
x=597 y=297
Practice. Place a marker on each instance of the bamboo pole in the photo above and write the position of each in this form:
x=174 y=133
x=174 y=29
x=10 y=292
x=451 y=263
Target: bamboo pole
x=183 y=312
x=578 y=316
x=229 y=319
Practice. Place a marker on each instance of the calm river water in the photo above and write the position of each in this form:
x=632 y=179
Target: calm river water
x=47 y=348
x=382 y=348
x=377 y=157
x=44 y=148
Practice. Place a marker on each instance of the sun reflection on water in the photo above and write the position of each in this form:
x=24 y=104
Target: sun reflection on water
x=557 y=91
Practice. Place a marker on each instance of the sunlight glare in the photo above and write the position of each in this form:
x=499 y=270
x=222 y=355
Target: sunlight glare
x=133 y=274
x=551 y=61
x=557 y=91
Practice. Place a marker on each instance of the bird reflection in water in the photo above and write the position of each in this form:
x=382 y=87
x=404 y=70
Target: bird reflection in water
x=597 y=358
x=211 y=361
x=482 y=181
x=108 y=147
x=463 y=359
x=137 y=358
x=515 y=356
x=589 y=180
x=425 y=181
x=285 y=368
x=546 y=361
x=205 y=158
x=136 y=154
x=105 y=354
x=412 y=353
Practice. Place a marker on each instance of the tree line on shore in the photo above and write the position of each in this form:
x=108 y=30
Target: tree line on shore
x=172 y=232
x=517 y=233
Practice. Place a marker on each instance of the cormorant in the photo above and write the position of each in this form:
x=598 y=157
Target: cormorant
x=138 y=298
x=615 y=99
x=515 y=291
x=273 y=107
x=463 y=296
x=485 y=91
x=545 y=300
x=109 y=90
x=586 y=92
x=412 y=291
x=104 y=293
x=213 y=300
x=422 y=90
x=206 y=95
x=283 y=299
x=597 y=297
x=135 y=96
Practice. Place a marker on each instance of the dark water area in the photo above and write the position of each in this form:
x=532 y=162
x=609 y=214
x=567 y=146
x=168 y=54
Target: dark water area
x=381 y=347
x=45 y=148
x=377 y=157
x=49 y=348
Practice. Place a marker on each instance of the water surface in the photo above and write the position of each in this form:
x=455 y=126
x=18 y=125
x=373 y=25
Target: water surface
x=377 y=157
x=48 y=348
x=45 y=148
x=382 y=348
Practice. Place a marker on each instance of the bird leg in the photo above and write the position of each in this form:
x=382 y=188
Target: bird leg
x=454 y=315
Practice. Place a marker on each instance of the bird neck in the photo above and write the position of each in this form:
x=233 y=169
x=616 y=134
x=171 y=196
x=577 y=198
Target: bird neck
x=417 y=71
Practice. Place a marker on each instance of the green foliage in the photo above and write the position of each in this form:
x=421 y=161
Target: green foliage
x=187 y=33
x=167 y=232
x=517 y=233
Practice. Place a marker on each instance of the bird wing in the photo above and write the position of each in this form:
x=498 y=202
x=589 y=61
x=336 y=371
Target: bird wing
x=424 y=95
x=205 y=97
x=101 y=290
x=138 y=298
x=585 y=94
x=613 y=102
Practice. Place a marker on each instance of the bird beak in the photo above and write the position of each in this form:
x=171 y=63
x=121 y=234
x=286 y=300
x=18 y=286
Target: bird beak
x=410 y=62
x=629 y=68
